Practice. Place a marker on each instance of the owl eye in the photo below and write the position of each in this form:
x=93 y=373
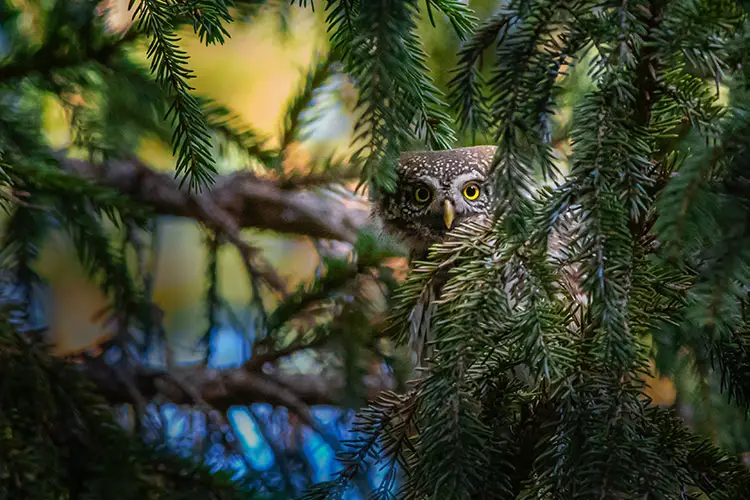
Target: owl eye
x=422 y=194
x=471 y=191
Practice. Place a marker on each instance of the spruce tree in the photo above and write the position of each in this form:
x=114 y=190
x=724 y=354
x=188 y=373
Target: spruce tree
x=628 y=249
x=58 y=439
x=543 y=333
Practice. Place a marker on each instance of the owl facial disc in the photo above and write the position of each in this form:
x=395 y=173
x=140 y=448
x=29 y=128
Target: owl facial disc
x=437 y=191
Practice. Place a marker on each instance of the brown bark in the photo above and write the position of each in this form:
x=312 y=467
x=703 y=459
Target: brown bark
x=220 y=389
x=249 y=201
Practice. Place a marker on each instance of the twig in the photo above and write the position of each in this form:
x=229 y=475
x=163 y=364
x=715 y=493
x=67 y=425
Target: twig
x=267 y=383
x=256 y=362
x=213 y=215
x=326 y=287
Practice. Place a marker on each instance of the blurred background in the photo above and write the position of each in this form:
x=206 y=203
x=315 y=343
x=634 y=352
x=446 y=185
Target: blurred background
x=211 y=312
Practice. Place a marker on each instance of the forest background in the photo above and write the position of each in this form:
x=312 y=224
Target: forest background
x=279 y=422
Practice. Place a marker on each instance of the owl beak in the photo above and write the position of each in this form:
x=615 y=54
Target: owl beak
x=449 y=212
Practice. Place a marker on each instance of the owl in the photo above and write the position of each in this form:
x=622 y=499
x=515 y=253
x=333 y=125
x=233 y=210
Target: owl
x=436 y=190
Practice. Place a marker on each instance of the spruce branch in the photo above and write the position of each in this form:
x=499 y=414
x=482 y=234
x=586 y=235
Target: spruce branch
x=695 y=32
x=449 y=416
x=460 y=16
x=594 y=453
x=22 y=238
x=229 y=129
x=703 y=228
x=604 y=218
x=398 y=102
x=706 y=466
x=97 y=254
x=385 y=420
x=697 y=104
x=191 y=139
x=77 y=205
x=302 y=100
x=467 y=87
x=321 y=289
x=601 y=428
x=540 y=326
x=732 y=358
x=519 y=63
x=529 y=58
x=683 y=204
x=536 y=338
x=208 y=18
x=55 y=415
x=44 y=180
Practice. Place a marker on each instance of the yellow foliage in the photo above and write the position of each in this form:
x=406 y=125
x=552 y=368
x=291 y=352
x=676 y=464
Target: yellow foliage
x=74 y=302
x=660 y=389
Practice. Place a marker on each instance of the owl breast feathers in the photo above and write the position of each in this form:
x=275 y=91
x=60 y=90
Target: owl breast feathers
x=437 y=190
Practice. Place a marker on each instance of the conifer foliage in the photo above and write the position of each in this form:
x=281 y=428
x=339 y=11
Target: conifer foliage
x=59 y=440
x=634 y=250
x=544 y=332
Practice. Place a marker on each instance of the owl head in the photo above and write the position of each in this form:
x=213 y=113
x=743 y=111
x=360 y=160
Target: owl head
x=437 y=190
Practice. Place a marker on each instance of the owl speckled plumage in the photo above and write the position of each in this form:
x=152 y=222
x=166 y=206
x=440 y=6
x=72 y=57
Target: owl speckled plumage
x=436 y=190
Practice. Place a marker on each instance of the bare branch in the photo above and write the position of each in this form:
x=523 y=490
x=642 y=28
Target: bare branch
x=239 y=200
x=264 y=355
x=222 y=389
